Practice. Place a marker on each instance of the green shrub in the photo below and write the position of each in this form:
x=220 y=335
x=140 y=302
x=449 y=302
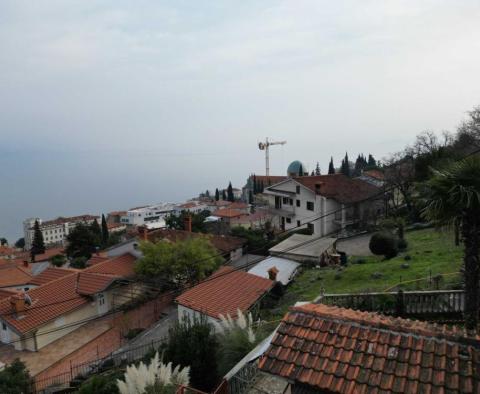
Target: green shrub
x=384 y=244
x=101 y=384
x=14 y=378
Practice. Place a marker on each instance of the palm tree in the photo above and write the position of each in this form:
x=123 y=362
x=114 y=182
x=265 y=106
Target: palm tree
x=453 y=196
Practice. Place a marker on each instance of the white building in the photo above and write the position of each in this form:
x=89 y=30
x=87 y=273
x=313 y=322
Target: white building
x=54 y=231
x=324 y=203
x=192 y=206
x=151 y=216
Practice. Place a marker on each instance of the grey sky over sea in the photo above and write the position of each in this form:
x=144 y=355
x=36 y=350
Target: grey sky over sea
x=108 y=105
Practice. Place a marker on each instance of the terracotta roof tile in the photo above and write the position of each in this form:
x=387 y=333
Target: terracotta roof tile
x=48 y=275
x=345 y=351
x=59 y=296
x=4 y=293
x=339 y=187
x=228 y=291
x=13 y=275
x=89 y=283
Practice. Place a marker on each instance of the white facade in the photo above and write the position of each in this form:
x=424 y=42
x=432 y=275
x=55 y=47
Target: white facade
x=150 y=215
x=193 y=206
x=293 y=205
x=55 y=231
x=185 y=313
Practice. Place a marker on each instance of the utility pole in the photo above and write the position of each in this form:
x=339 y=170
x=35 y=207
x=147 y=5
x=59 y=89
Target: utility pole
x=265 y=146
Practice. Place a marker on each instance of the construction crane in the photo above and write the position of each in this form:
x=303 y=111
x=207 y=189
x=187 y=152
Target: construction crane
x=265 y=146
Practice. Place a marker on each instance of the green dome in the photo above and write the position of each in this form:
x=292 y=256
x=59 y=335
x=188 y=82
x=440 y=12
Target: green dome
x=295 y=168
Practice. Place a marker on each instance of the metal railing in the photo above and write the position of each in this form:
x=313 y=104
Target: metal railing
x=83 y=370
x=412 y=303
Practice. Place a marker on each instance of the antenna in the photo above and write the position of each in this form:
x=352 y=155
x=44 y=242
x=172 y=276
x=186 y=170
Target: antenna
x=265 y=146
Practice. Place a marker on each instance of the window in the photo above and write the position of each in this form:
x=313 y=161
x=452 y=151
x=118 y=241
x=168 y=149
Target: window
x=310 y=227
x=298 y=223
x=291 y=201
x=289 y=220
x=4 y=327
x=310 y=205
x=298 y=203
x=285 y=200
x=298 y=189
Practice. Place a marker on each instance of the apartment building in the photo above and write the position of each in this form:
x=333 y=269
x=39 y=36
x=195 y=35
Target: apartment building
x=151 y=216
x=54 y=231
x=324 y=203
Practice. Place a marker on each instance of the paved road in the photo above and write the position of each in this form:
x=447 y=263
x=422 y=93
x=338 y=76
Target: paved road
x=355 y=246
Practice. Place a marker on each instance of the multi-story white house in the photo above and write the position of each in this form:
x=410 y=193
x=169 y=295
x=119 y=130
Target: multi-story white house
x=311 y=200
x=54 y=231
x=151 y=215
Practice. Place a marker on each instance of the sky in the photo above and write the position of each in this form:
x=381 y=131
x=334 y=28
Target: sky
x=105 y=105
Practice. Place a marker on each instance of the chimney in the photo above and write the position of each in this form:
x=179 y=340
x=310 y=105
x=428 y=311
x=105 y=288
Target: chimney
x=272 y=273
x=25 y=263
x=17 y=303
x=188 y=223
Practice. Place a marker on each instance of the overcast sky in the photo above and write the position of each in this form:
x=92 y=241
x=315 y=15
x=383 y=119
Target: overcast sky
x=142 y=101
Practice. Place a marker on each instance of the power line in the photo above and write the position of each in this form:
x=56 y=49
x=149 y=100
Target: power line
x=345 y=206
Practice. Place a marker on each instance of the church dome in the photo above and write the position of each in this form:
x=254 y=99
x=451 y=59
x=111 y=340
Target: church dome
x=297 y=168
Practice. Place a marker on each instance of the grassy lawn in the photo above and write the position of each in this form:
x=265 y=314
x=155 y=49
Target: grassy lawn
x=432 y=252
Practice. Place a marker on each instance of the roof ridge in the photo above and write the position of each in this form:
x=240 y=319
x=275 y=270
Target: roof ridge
x=390 y=323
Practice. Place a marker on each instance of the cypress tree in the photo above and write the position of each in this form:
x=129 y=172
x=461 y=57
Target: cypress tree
x=313 y=173
x=317 y=169
x=105 y=234
x=300 y=171
x=345 y=165
x=224 y=195
x=371 y=161
x=230 y=196
x=331 y=167
x=250 y=197
x=217 y=194
x=255 y=187
x=207 y=193
x=38 y=246
x=96 y=230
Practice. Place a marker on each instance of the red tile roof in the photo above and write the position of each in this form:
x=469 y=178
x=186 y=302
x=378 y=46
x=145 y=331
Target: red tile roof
x=238 y=205
x=222 y=203
x=4 y=293
x=49 y=253
x=227 y=213
x=63 y=295
x=50 y=274
x=122 y=266
x=376 y=174
x=6 y=250
x=345 y=351
x=96 y=259
x=339 y=187
x=13 y=275
x=89 y=283
x=223 y=243
x=224 y=292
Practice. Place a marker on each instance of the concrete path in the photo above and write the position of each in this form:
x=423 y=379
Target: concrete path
x=355 y=246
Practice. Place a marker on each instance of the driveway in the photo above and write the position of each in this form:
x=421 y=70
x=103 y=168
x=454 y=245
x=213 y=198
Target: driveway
x=355 y=246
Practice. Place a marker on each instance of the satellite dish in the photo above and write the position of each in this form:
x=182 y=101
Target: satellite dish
x=261 y=146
